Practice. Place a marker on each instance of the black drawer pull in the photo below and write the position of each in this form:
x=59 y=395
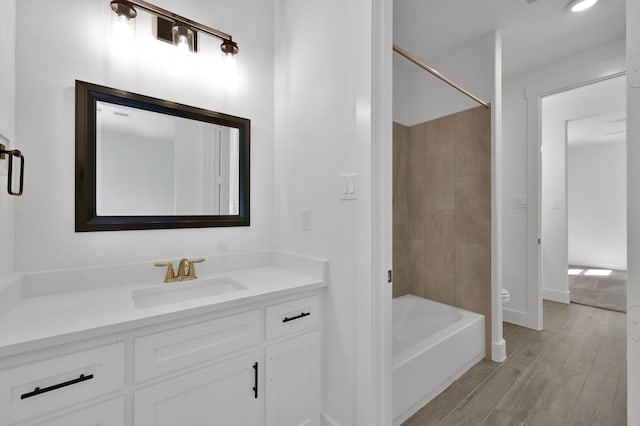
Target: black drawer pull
x=255 y=380
x=302 y=315
x=38 y=391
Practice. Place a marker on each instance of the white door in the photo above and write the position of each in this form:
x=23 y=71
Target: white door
x=293 y=381
x=110 y=413
x=227 y=393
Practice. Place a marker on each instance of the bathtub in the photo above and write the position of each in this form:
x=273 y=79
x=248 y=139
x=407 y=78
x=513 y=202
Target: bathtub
x=433 y=345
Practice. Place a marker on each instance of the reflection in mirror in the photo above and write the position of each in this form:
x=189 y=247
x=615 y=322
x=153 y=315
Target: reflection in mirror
x=148 y=163
x=152 y=164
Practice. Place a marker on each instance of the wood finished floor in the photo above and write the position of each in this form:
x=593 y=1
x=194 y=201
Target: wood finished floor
x=571 y=373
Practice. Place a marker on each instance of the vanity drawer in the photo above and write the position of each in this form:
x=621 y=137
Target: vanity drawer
x=293 y=316
x=109 y=413
x=37 y=388
x=163 y=352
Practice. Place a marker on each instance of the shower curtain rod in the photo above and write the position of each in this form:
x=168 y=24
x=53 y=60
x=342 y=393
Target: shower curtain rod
x=436 y=73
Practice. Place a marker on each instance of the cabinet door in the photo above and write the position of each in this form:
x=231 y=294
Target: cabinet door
x=110 y=413
x=219 y=394
x=293 y=381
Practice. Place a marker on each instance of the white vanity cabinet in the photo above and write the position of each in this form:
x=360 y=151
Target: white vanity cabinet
x=256 y=364
x=58 y=382
x=293 y=381
x=109 y=413
x=224 y=393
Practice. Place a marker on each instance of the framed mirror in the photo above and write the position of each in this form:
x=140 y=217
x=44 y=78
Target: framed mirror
x=147 y=163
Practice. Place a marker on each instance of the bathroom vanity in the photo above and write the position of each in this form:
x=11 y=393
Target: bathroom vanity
x=240 y=345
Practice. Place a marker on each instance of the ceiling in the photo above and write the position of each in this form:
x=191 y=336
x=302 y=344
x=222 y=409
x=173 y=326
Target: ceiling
x=533 y=35
x=604 y=128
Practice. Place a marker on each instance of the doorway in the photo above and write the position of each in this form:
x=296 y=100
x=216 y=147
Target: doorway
x=596 y=210
x=583 y=195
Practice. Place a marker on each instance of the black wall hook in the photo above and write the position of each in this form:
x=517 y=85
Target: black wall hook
x=13 y=153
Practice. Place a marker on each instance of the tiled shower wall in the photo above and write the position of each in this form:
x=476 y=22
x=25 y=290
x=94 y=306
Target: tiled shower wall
x=442 y=211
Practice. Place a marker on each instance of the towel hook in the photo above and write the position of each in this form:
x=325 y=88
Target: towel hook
x=13 y=153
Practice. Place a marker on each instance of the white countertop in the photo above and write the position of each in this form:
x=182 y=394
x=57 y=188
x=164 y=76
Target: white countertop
x=38 y=319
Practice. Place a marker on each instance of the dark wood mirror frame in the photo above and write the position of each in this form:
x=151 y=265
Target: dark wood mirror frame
x=87 y=94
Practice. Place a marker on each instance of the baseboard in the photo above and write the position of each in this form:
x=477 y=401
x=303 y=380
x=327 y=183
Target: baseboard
x=325 y=420
x=516 y=317
x=499 y=351
x=556 y=295
x=595 y=265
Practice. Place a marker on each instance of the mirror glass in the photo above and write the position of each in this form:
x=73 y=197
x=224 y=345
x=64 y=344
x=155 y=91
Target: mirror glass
x=147 y=163
x=152 y=164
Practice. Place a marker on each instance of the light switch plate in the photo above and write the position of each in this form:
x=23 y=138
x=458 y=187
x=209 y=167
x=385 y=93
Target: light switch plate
x=348 y=189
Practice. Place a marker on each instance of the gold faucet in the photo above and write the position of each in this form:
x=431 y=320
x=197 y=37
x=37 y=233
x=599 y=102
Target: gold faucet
x=186 y=270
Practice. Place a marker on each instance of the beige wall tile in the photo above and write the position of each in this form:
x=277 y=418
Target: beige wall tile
x=416 y=172
x=416 y=267
x=473 y=209
x=416 y=222
x=400 y=210
x=473 y=277
x=439 y=236
x=473 y=142
x=439 y=255
x=439 y=157
x=400 y=165
x=440 y=287
x=442 y=211
x=400 y=252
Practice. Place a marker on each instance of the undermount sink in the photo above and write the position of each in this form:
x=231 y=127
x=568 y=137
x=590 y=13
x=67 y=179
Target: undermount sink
x=181 y=291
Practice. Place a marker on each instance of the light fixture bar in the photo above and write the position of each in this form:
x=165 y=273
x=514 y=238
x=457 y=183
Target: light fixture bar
x=158 y=11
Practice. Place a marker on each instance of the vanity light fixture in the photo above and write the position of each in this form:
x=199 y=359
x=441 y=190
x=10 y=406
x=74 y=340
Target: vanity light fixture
x=183 y=38
x=173 y=28
x=580 y=5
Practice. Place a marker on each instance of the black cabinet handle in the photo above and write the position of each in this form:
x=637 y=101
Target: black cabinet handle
x=302 y=315
x=38 y=391
x=255 y=380
x=17 y=154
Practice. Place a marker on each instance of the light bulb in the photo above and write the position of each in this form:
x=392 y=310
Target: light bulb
x=183 y=38
x=230 y=69
x=580 y=5
x=123 y=24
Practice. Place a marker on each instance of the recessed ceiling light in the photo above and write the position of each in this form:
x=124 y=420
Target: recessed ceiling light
x=580 y=5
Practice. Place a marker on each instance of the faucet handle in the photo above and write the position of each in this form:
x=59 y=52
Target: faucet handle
x=171 y=275
x=192 y=268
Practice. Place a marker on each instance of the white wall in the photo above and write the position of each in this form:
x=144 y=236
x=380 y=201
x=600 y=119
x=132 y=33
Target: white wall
x=591 y=100
x=515 y=174
x=633 y=213
x=323 y=130
x=419 y=96
x=7 y=127
x=65 y=40
x=597 y=205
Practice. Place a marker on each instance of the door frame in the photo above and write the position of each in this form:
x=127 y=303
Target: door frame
x=534 y=93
